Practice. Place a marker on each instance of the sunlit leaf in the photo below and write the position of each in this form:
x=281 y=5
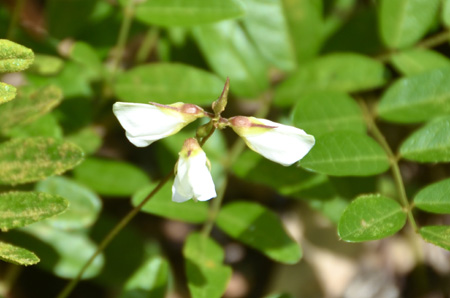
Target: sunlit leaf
x=346 y=154
x=332 y=73
x=110 y=177
x=14 y=57
x=21 y=208
x=402 y=23
x=28 y=106
x=32 y=159
x=161 y=204
x=206 y=274
x=414 y=61
x=46 y=65
x=230 y=53
x=434 y=198
x=186 y=12
x=278 y=48
x=430 y=143
x=417 y=98
x=7 y=92
x=321 y=112
x=438 y=235
x=168 y=83
x=446 y=12
x=150 y=280
x=84 y=205
x=45 y=126
x=260 y=228
x=371 y=217
x=17 y=255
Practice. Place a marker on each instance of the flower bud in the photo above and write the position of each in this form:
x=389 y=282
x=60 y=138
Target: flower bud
x=146 y=123
x=193 y=179
x=280 y=143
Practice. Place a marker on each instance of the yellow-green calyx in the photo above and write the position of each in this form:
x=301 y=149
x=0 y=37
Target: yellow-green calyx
x=248 y=125
x=187 y=111
x=191 y=147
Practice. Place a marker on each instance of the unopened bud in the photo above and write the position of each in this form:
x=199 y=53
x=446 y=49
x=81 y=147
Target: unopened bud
x=219 y=105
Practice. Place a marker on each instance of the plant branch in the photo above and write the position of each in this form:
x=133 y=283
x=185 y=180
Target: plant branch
x=393 y=160
x=111 y=235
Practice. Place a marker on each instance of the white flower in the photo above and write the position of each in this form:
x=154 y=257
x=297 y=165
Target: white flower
x=193 y=179
x=146 y=123
x=280 y=143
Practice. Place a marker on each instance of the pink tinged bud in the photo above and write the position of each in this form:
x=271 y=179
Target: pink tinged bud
x=193 y=179
x=146 y=123
x=280 y=143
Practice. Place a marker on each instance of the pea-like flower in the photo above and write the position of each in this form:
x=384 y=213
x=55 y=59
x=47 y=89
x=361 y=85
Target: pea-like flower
x=192 y=177
x=280 y=143
x=146 y=123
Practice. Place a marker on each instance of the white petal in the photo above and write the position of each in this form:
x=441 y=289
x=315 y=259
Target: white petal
x=284 y=144
x=146 y=123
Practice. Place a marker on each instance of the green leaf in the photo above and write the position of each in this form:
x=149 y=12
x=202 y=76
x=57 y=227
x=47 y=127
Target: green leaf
x=17 y=255
x=206 y=274
x=87 y=138
x=446 y=12
x=260 y=228
x=321 y=112
x=7 y=92
x=346 y=154
x=230 y=53
x=14 y=57
x=157 y=81
x=414 y=61
x=150 y=280
x=161 y=204
x=32 y=159
x=21 y=208
x=306 y=26
x=28 y=106
x=68 y=252
x=332 y=208
x=371 y=217
x=187 y=12
x=46 y=65
x=110 y=177
x=430 y=143
x=45 y=126
x=84 y=205
x=434 y=198
x=332 y=73
x=438 y=235
x=417 y=98
x=85 y=55
x=277 y=49
x=404 y=22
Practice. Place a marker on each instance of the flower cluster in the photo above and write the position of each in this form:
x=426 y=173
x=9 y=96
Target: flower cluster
x=147 y=123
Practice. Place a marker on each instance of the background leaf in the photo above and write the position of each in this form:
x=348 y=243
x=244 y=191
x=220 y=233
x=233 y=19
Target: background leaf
x=155 y=82
x=404 y=22
x=17 y=255
x=110 y=177
x=429 y=143
x=20 y=208
x=371 y=217
x=84 y=204
x=186 y=13
x=321 y=112
x=331 y=73
x=33 y=159
x=14 y=57
x=46 y=65
x=414 y=61
x=161 y=204
x=417 y=98
x=346 y=154
x=7 y=92
x=259 y=228
x=434 y=198
x=438 y=235
x=206 y=274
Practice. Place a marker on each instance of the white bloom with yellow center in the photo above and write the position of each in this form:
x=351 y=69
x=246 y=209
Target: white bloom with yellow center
x=192 y=177
x=146 y=123
x=280 y=143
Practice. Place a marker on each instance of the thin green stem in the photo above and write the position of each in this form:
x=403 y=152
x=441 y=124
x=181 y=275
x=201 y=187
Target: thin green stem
x=149 y=42
x=396 y=174
x=111 y=235
x=14 y=19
